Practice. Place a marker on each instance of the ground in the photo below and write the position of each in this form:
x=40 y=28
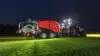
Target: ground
x=50 y=47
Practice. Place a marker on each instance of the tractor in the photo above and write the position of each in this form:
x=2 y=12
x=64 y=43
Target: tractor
x=72 y=28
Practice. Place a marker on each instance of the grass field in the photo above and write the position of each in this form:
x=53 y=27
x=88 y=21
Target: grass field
x=50 y=47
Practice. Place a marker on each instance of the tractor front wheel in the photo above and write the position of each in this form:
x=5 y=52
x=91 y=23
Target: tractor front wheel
x=83 y=33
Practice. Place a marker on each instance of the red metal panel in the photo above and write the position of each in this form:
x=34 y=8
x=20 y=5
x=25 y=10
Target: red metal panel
x=52 y=25
x=43 y=24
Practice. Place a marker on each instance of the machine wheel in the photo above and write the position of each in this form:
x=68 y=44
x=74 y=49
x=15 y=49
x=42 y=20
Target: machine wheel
x=52 y=35
x=58 y=35
x=73 y=32
x=83 y=33
x=36 y=36
x=43 y=35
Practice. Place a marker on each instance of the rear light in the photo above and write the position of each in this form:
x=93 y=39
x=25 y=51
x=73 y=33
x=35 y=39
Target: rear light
x=28 y=35
x=19 y=31
x=39 y=30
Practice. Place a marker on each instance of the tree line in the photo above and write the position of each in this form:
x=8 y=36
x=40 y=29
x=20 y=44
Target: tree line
x=6 y=29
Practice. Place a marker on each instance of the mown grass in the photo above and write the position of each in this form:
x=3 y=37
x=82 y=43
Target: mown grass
x=6 y=39
x=52 y=47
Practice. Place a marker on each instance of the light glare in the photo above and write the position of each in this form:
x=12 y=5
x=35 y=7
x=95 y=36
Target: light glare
x=64 y=20
x=69 y=19
x=69 y=23
x=62 y=24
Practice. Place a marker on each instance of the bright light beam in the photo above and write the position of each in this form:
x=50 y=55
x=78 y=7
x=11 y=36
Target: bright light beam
x=93 y=35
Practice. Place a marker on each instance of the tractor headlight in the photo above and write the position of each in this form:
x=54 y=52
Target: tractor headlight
x=69 y=20
x=69 y=23
x=63 y=24
x=64 y=21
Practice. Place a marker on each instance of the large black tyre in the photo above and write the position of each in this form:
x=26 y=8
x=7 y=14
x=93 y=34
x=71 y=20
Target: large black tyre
x=36 y=36
x=52 y=35
x=65 y=32
x=43 y=35
x=83 y=33
x=59 y=35
x=73 y=32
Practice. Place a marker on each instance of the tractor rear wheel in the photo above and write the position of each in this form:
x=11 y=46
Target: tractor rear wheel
x=73 y=32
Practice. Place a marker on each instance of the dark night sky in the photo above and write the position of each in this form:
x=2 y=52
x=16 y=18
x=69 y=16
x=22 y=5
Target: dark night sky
x=85 y=11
